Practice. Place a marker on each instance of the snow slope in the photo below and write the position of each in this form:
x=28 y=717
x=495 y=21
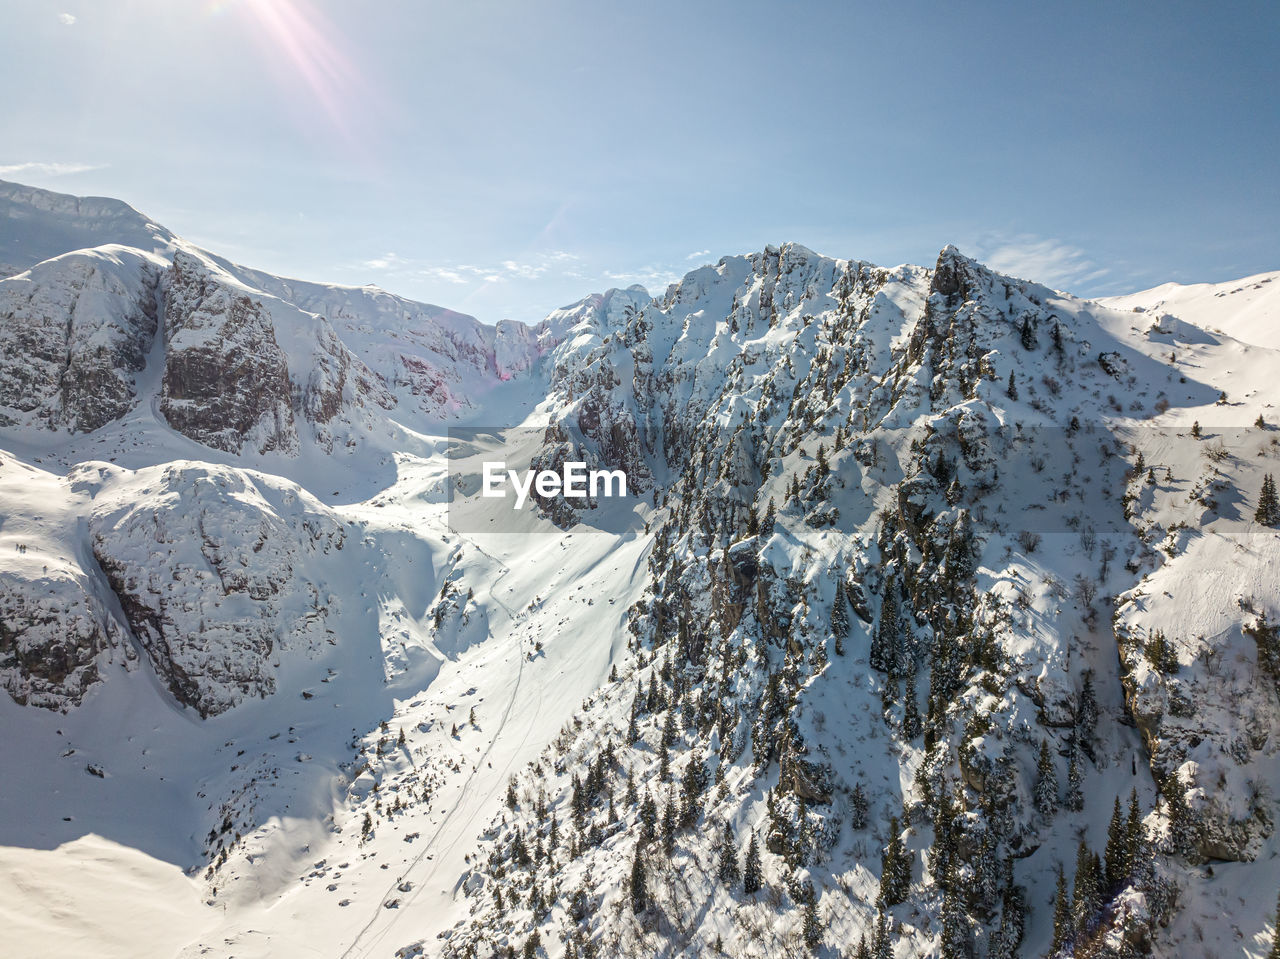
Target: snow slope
x=1247 y=309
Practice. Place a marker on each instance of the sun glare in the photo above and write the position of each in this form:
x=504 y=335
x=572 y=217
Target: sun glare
x=307 y=51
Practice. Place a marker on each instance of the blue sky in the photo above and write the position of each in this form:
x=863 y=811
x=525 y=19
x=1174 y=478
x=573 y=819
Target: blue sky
x=504 y=158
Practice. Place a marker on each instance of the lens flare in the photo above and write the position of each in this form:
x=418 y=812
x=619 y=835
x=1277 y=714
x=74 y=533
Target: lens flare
x=306 y=49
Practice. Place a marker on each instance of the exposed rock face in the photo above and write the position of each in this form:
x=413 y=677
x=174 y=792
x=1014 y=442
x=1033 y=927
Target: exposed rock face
x=58 y=627
x=430 y=361
x=604 y=389
x=207 y=568
x=226 y=381
x=53 y=631
x=76 y=331
x=250 y=360
x=1208 y=722
x=341 y=391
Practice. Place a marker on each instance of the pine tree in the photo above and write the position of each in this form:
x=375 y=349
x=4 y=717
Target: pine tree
x=691 y=788
x=669 y=818
x=653 y=698
x=1268 y=513
x=639 y=894
x=1181 y=824
x=988 y=870
x=858 y=807
x=1075 y=777
x=1028 y=334
x=648 y=817
x=728 y=872
x=1195 y=429
x=811 y=928
x=1135 y=837
x=752 y=872
x=1013 y=386
x=895 y=867
x=884 y=646
x=1012 y=920
x=1062 y=924
x=1117 y=852
x=630 y=795
x=1084 y=891
x=955 y=931
x=881 y=947
x=911 y=724
x=770 y=518
x=664 y=747
x=840 y=621
x=945 y=843
x=1087 y=713
x=1046 y=789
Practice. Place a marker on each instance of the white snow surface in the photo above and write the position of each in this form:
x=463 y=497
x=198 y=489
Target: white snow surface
x=1247 y=309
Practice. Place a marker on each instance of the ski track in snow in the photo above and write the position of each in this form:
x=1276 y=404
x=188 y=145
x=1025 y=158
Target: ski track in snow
x=356 y=948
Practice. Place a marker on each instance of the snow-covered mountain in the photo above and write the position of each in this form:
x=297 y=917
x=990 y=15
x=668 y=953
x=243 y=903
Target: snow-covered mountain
x=943 y=622
x=1247 y=309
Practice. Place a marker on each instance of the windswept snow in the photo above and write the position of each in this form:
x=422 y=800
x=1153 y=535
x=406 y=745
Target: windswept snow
x=1247 y=309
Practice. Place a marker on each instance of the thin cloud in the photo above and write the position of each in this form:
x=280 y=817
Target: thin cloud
x=440 y=273
x=648 y=275
x=698 y=255
x=40 y=168
x=66 y=19
x=1040 y=259
x=538 y=266
x=526 y=271
x=385 y=262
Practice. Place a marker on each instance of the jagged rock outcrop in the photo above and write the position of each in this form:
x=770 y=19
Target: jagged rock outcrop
x=54 y=633
x=226 y=380
x=252 y=363
x=210 y=570
x=76 y=331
